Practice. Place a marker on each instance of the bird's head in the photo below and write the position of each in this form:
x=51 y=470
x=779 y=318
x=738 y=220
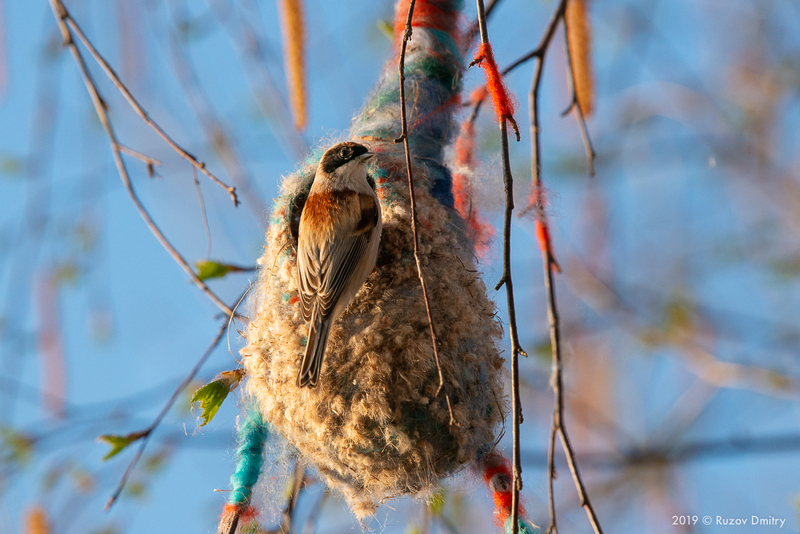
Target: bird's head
x=344 y=162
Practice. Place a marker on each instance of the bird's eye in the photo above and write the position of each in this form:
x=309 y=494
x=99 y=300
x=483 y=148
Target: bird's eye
x=345 y=153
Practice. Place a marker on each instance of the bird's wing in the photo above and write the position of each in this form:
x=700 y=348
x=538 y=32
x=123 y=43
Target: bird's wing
x=324 y=270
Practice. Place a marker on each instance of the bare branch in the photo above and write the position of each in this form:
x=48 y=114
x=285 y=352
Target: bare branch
x=64 y=17
x=147 y=160
x=148 y=432
x=506 y=280
x=297 y=486
x=65 y=23
x=549 y=265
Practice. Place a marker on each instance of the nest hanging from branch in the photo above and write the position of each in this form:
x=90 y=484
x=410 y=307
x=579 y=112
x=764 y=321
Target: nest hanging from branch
x=374 y=427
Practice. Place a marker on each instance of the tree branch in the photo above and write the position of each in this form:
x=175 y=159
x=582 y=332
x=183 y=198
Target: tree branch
x=549 y=265
x=65 y=23
x=64 y=17
x=148 y=432
x=506 y=280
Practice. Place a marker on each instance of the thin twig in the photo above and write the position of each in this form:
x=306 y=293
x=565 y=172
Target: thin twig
x=253 y=49
x=62 y=18
x=215 y=131
x=537 y=52
x=291 y=504
x=516 y=349
x=551 y=477
x=404 y=139
x=144 y=158
x=474 y=28
x=310 y=525
x=558 y=426
x=203 y=212
x=148 y=432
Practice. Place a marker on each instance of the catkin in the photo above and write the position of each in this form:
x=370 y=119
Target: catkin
x=36 y=521
x=579 y=41
x=294 y=44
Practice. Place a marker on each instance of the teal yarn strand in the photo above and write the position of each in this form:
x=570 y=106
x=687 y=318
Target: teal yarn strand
x=524 y=527
x=433 y=69
x=253 y=432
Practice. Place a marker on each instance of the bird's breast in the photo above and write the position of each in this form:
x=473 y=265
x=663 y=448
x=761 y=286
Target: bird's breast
x=329 y=213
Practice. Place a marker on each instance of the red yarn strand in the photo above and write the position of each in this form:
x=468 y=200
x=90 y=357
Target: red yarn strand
x=499 y=479
x=538 y=202
x=502 y=101
x=479 y=230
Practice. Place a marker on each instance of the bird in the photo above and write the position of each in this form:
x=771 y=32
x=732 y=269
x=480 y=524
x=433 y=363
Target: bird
x=337 y=246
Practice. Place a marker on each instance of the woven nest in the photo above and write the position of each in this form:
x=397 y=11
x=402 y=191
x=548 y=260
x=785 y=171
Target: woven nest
x=374 y=428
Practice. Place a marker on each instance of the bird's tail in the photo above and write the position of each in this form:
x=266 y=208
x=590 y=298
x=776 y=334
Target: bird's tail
x=310 y=367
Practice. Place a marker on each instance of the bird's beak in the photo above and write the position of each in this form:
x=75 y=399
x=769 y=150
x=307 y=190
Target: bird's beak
x=367 y=156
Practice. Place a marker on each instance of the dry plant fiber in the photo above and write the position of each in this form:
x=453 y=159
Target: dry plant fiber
x=373 y=428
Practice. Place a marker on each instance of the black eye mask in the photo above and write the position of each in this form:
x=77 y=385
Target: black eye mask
x=340 y=154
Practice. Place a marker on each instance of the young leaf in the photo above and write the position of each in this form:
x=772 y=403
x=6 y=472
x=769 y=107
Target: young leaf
x=437 y=503
x=118 y=443
x=211 y=269
x=386 y=28
x=212 y=395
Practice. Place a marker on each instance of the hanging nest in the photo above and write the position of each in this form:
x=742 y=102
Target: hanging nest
x=374 y=427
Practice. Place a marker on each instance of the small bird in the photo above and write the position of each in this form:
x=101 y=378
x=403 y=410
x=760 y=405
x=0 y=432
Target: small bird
x=337 y=244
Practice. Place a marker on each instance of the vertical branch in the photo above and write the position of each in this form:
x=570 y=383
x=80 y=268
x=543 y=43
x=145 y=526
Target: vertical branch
x=549 y=265
x=404 y=138
x=551 y=477
x=291 y=504
x=505 y=117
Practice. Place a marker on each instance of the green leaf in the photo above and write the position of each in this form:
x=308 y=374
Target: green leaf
x=212 y=395
x=17 y=447
x=786 y=267
x=211 y=269
x=386 y=28
x=11 y=165
x=437 y=503
x=119 y=443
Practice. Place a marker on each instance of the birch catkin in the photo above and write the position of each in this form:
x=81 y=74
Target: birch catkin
x=36 y=521
x=294 y=44
x=579 y=41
